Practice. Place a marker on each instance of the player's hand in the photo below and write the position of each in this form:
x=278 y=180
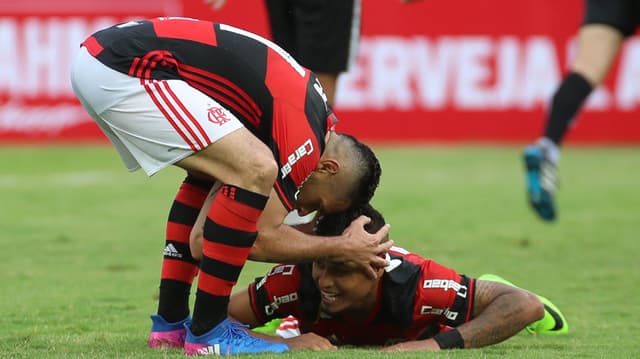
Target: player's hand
x=363 y=248
x=310 y=341
x=427 y=344
x=215 y=4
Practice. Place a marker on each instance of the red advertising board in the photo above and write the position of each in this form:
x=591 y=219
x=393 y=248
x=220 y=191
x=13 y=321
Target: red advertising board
x=428 y=71
x=38 y=39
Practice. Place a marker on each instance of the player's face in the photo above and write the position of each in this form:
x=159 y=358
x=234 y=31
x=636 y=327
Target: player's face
x=344 y=287
x=317 y=194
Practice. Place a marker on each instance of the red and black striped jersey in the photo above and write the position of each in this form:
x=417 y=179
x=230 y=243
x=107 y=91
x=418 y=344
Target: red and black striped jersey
x=278 y=100
x=417 y=298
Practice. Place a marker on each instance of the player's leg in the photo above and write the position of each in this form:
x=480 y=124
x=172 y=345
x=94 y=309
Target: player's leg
x=553 y=321
x=598 y=45
x=247 y=170
x=168 y=122
x=599 y=40
x=326 y=38
x=142 y=141
x=179 y=268
x=281 y=21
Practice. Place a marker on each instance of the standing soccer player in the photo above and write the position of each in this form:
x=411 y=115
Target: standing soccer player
x=225 y=105
x=606 y=24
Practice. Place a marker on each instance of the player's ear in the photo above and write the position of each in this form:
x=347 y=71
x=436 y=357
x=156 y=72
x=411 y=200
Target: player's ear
x=329 y=166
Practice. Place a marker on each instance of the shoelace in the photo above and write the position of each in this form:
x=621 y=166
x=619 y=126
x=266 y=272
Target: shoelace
x=236 y=333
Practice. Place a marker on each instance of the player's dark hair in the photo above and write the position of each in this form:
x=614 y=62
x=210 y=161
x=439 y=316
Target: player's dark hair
x=334 y=224
x=369 y=169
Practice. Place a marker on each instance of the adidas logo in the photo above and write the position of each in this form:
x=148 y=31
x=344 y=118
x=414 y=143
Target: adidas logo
x=210 y=349
x=171 y=251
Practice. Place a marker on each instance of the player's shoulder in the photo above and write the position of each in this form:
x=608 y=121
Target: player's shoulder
x=284 y=278
x=424 y=271
x=407 y=255
x=283 y=291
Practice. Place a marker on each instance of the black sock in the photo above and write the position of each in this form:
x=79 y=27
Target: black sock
x=228 y=236
x=567 y=100
x=206 y=317
x=175 y=304
x=178 y=266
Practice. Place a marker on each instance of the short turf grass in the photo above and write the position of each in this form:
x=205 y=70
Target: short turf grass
x=81 y=242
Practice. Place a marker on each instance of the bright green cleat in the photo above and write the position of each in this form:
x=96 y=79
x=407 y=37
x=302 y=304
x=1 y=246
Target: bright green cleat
x=268 y=327
x=553 y=321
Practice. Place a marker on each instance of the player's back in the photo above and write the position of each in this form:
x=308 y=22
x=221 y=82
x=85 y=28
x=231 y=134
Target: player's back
x=239 y=69
x=278 y=100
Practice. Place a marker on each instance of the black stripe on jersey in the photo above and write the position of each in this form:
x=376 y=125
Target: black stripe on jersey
x=316 y=113
x=309 y=297
x=238 y=65
x=461 y=305
x=399 y=293
x=260 y=300
x=317 y=110
x=231 y=96
x=253 y=54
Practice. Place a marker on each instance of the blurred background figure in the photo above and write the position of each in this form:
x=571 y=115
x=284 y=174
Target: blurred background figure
x=606 y=24
x=322 y=36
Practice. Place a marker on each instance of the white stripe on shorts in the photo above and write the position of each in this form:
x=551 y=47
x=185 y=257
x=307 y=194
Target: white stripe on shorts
x=177 y=114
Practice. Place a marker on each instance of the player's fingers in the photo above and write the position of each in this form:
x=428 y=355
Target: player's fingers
x=384 y=247
x=370 y=272
x=362 y=220
x=378 y=262
x=383 y=232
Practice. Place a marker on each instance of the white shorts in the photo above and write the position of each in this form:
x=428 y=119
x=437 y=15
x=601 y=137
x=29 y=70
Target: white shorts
x=152 y=123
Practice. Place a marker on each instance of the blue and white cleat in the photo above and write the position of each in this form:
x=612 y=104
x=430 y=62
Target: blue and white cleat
x=229 y=338
x=541 y=182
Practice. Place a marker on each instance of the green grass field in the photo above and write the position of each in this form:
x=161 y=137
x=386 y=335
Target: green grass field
x=82 y=240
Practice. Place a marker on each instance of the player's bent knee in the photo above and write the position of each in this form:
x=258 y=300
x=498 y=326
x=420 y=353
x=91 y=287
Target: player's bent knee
x=261 y=173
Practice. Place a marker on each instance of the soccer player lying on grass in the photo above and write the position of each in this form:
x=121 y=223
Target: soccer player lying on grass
x=414 y=304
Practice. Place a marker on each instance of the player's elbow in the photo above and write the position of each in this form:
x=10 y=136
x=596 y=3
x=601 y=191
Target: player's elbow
x=532 y=308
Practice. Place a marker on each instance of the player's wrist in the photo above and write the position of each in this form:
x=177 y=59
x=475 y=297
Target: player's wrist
x=449 y=340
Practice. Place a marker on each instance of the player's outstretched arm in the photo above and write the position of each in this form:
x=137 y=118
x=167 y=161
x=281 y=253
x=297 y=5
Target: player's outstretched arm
x=499 y=312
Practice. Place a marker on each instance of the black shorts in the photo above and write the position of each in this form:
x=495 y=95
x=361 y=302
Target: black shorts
x=320 y=34
x=623 y=15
